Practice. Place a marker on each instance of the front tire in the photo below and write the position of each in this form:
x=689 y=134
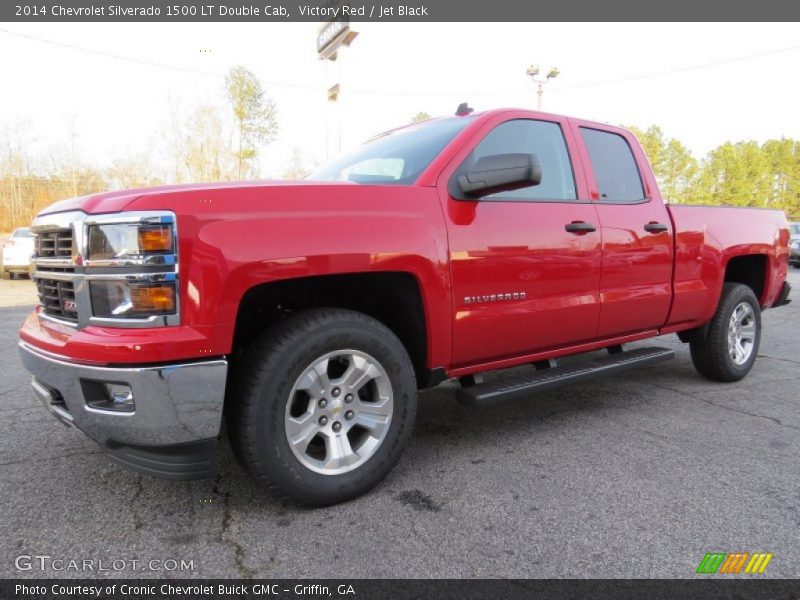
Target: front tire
x=324 y=403
x=730 y=347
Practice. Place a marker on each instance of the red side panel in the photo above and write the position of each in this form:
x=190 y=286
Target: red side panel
x=518 y=249
x=636 y=281
x=707 y=238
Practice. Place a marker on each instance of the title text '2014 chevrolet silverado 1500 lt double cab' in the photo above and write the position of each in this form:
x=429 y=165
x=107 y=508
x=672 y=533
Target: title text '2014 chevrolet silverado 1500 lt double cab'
x=305 y=315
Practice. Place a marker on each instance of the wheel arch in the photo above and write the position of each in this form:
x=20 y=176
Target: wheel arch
x=750 y=270
x=393 y=298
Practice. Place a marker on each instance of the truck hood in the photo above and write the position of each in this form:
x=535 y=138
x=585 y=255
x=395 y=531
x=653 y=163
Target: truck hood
x=111 y=202
x=96 y=203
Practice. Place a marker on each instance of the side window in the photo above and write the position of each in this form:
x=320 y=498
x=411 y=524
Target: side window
x=614 y=167
x=542 y=138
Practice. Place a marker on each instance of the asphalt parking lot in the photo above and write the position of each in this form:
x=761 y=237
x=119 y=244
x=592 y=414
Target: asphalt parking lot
x=633 y=476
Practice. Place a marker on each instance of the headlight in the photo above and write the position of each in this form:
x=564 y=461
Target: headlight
x=130 y=299
x=131 y=269
x=129 y=240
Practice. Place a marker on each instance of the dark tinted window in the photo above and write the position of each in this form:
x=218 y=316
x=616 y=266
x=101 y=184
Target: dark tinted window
x=614 y=166
x=526 y=136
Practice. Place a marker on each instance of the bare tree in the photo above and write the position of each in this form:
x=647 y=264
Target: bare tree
x=174 y=137
x=207 y=155
x=299 y=166
x=16 y=169
x=132 y=171
x=64 y=161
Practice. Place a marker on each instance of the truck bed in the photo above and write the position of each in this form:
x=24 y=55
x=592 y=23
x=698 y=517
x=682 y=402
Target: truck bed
x=706 y=237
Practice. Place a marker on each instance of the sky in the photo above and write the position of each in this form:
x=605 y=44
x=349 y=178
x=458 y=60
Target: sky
x=113 y=83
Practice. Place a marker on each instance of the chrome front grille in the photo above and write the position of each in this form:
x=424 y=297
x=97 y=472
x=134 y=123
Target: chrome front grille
x=55 y=272
x=57 y=298
x=54 y=244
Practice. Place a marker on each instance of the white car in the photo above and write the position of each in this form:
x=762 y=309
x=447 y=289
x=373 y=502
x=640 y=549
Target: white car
x=794 y=245
x=17 y=252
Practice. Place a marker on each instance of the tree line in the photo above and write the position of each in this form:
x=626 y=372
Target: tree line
x=221 y=143
x=733 y=174
x=209 y=143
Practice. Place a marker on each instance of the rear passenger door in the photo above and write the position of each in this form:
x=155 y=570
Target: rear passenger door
x=637 y=250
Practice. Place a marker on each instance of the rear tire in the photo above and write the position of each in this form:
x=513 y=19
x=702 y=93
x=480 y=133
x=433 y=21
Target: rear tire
x=731 y=344
x=341 y=386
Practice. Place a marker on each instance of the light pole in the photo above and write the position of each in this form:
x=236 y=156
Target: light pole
x=332 y=38
x=533 y=72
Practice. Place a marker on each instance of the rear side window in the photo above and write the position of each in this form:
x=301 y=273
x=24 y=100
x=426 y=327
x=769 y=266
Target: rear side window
x=614 y=167
x=526 y=136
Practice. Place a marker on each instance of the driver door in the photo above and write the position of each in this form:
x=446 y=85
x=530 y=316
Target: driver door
x=524 y=277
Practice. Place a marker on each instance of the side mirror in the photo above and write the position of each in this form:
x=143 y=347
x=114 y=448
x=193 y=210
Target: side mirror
x=499 y=173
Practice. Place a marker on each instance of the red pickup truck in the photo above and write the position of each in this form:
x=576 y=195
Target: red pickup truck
x=305 y=315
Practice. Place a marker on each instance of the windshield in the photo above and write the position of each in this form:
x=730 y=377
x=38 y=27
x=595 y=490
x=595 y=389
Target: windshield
x=22 y=232
x=394 y=158
x=795 y=229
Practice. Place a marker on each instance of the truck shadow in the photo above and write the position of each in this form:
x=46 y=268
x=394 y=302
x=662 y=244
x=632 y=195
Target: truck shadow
x=445 y=431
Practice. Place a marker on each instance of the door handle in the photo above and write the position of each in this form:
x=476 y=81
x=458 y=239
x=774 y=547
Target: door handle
x=579 y=227
x=656 y=227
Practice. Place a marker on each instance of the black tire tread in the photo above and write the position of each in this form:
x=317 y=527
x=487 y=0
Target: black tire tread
x=710 y=356
x=257 y=364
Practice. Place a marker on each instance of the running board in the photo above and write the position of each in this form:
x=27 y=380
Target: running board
x=485 y=394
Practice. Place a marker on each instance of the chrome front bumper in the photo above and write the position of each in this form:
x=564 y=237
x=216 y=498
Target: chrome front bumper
x=176 y=417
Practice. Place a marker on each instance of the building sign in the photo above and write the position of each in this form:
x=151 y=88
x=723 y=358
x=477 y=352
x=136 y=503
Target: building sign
x=332 y=35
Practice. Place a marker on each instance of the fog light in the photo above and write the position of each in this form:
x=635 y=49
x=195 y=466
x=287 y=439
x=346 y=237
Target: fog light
x=120 y=396
x=113 y=397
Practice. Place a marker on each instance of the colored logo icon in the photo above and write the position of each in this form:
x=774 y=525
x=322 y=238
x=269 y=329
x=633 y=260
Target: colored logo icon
x=734 y=562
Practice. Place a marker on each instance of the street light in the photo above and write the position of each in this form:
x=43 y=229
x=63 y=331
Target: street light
x=532 y=72
x=332 y=38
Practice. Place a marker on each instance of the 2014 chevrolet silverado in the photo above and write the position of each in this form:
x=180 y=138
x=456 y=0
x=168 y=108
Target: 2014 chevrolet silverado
x=305 y=315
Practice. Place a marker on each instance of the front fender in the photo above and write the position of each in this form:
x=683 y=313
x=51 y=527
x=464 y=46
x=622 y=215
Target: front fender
x=234 y=239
